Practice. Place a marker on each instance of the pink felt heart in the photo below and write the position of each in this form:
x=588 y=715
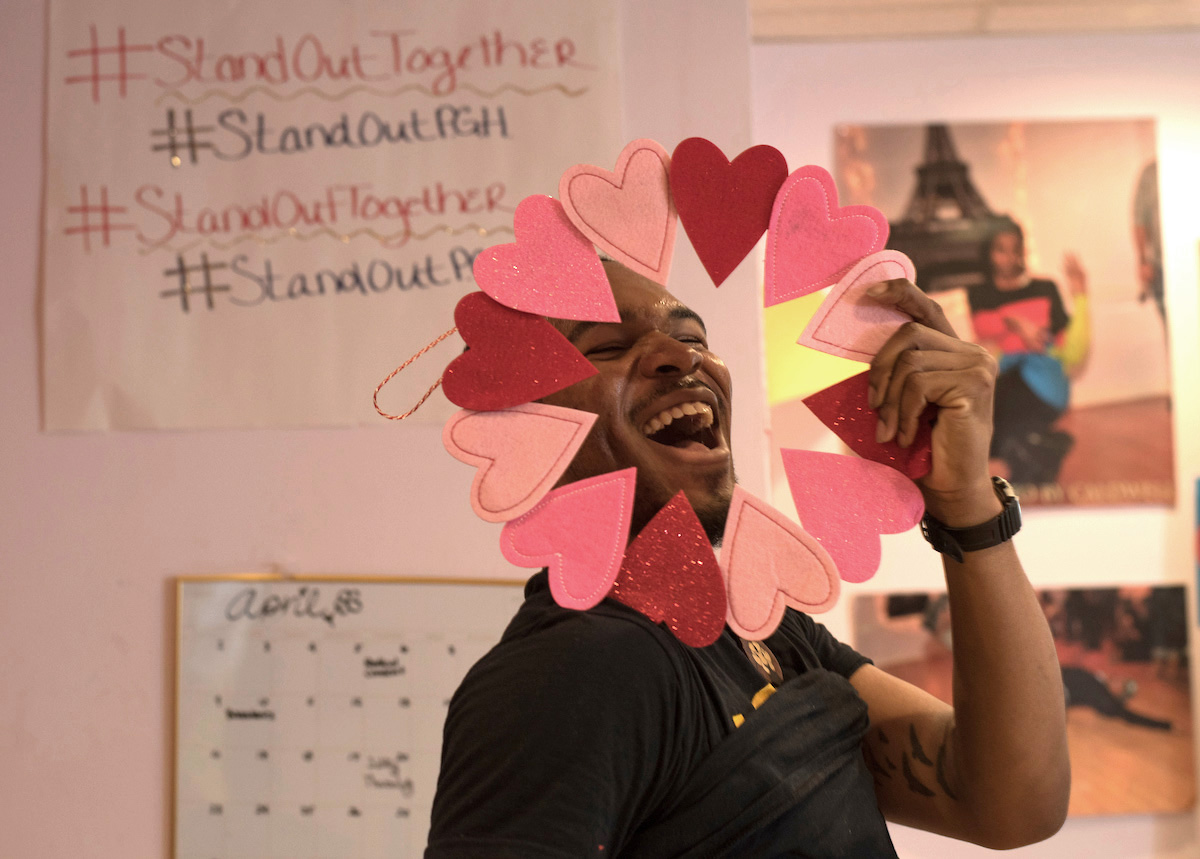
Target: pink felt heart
x=628 y=213
x=512 y=357
x=812 y=241
x=671 y=575
x=724 y=207
x=551 y=269
x=520 y=453
x=579 y=531
x=770 y=563
x=843 y=408
x=847 y=502
x=849 y=322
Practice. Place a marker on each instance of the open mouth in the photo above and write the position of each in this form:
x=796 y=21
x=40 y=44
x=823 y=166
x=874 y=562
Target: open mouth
x=687 y=426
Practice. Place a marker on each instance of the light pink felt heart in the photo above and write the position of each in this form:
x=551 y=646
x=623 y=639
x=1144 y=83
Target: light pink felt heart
x=579 y=531
x=551 y=269
x=770 y=563
x=671 y=575
x=520 y=453
x=811 y=241
x=847 y=502
x=628 y=213
x=849 y=322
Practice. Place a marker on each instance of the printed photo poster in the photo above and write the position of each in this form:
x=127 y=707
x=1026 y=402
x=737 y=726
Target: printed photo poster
x=1041 y=242
x=254 y=212
x=1126 y=679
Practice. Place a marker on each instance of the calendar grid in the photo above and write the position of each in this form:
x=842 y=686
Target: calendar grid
x=308 y=709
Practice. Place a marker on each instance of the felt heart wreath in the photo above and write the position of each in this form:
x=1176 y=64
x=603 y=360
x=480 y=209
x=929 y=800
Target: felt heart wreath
x=580 y=531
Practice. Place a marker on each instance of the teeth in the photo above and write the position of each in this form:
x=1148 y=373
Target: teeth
x=666 y=416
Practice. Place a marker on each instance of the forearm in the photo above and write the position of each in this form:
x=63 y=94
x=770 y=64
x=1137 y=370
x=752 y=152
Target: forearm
x=1008 y=747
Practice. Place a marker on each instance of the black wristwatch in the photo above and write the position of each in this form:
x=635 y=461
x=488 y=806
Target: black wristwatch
x=954 y=541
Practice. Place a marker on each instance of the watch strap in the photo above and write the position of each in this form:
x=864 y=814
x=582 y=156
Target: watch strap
x=953 y=542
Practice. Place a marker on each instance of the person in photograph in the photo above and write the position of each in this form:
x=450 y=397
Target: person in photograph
x=1025 y=323
x=1147 y=238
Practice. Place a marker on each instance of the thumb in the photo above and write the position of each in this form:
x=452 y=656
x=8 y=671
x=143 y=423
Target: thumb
x=907 y=297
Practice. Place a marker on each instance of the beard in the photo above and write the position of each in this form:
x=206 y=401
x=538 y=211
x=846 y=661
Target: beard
x=712 y=510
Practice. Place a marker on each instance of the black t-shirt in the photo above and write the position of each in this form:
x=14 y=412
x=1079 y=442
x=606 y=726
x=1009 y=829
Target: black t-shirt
x=985 y=296
x=598 y=733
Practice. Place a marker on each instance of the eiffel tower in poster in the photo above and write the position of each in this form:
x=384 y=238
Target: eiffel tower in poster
x=947 y=219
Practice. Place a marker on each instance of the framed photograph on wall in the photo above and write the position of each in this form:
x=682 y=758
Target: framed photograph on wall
x=1126 y=677
x=1041 y=242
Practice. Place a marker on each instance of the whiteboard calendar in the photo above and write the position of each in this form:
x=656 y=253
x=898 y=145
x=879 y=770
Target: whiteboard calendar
x=309 y=711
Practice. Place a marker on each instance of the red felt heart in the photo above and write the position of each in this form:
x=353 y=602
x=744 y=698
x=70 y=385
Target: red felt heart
x=513 y=357
x=724 y=207
x=671 y=575
x=843 y=408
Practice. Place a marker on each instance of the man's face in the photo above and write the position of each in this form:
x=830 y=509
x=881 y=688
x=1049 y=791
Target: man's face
x=663 y=401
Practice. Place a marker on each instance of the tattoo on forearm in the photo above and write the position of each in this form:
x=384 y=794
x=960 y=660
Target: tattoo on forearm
x=915 y=759
x=873 y=764
x=914 y=783
x=941 y=766
x=918 y=752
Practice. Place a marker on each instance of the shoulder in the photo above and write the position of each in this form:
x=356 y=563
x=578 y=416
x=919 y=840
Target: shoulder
x=806 y=644
x=568 y=733
x=587 y=654
x=1041 y=286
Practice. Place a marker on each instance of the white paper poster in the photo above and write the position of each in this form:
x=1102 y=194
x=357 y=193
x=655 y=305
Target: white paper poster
x=253 y=212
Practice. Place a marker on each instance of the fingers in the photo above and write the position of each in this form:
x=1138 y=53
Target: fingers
x=907 y=297
x=910 y=336
x=959 y=381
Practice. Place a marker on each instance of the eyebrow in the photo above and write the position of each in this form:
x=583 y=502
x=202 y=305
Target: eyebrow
x=678 y=312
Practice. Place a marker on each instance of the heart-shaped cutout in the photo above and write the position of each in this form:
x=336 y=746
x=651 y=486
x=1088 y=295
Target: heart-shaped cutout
x=771 y=563
x=851 y=324
x=847 y=502
x=812 y=241
x=671 y=575
x=579 y=531
x=844 y=409
x=627 y=212
x=512 y=357
x=520 y=453
x=724 y=206
x=551 y=269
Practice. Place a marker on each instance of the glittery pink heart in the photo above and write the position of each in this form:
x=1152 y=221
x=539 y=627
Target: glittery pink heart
x=513 y=357
x=770 y=563
x=520 y=453
x=811 y=241
x=724 y=206
x=579 y=531
x=551 y=269
x=843 y=408
x=627 y=212
x=671 y=575
x=849 y=322
x=847 y=502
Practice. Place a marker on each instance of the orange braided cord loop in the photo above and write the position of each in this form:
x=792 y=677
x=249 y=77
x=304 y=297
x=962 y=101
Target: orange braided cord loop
x=391 y=375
